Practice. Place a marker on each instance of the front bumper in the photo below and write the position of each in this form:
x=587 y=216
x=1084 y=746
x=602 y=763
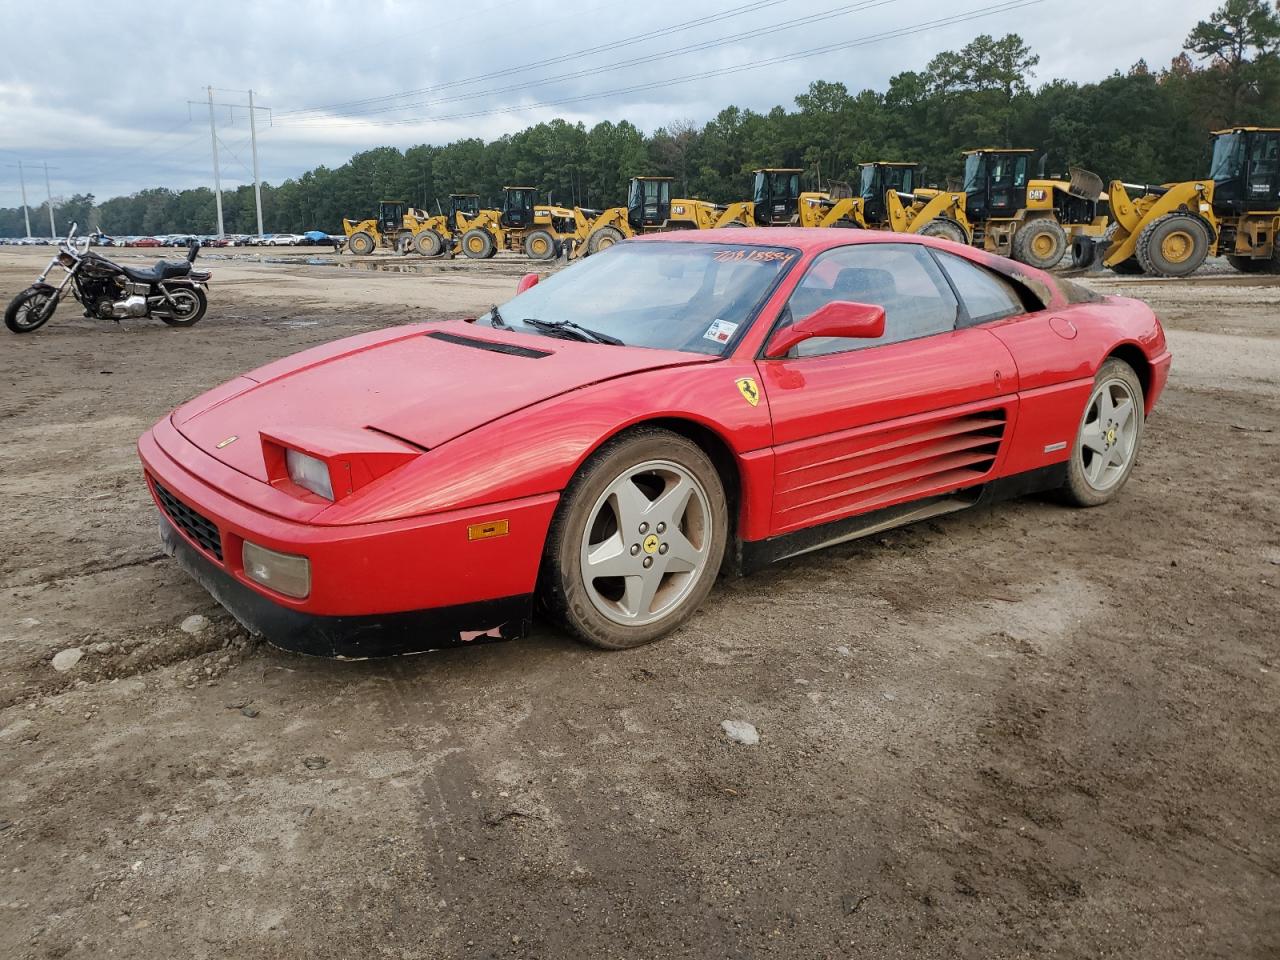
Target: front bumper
x=377 y=589
x=350 y=637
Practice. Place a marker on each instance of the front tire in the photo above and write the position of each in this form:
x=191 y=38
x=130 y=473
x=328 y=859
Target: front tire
x=361 y=244
x=1108 y=438
x=603 y=239
x=192 y=303
x=637 y=541
x=30 y=309
x=944 y=228
x=428 y=243
x=1174 y=245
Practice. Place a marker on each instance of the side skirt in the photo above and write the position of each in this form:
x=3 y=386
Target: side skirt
x=761 y=553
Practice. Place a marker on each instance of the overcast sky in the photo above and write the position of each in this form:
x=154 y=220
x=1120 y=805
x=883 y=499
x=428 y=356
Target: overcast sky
x=100 y=91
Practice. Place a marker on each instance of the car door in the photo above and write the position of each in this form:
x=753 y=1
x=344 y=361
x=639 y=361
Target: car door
x=860 y=425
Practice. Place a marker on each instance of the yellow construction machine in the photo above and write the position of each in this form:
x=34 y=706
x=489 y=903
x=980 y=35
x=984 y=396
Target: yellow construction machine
x=523 y=225
x=398 y=226
x=889 y=197
x=1034 y=221
x=650 y=209
x=1169 y=230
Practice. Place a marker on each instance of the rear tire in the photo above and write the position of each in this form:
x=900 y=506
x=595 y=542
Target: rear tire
x=649 y=505
x=30 y=310
x=1039 y=243
x=944 y=228
x=361 y=244
x=477 y=244
x=1108 y=438
x=603 y=239
x=195 y=302
x=428 y=243
x=1174 y=245
x=540 y=245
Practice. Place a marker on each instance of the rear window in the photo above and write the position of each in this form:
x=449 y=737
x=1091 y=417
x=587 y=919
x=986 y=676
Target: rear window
x=986 y=295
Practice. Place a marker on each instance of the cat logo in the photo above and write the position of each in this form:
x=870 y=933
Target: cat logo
x=747 y=387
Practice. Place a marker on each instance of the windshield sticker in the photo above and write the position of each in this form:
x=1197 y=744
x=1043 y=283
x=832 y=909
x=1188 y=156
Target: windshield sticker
x=720 y=331
x=755 y=254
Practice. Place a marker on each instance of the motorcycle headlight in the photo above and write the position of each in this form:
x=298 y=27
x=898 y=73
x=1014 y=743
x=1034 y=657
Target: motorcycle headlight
x=66 y=259
x=309 y=473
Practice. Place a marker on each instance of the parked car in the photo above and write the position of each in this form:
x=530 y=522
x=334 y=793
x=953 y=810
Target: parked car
x=611 y=437
x=145 y=242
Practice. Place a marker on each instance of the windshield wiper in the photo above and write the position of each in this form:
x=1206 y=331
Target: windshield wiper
x=495 y=319
x=575 y=331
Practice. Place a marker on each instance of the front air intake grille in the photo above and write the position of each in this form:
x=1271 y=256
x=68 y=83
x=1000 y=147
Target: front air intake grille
x=195 y=525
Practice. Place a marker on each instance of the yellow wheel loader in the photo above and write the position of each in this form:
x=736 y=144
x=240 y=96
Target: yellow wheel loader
x=1034 y=221
x=539 y=231
x=889 y=198
x=401 y=227
x=650 y=209
x=1169 y=230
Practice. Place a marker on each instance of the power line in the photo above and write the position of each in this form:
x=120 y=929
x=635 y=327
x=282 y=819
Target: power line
x=1004 y=7
x=588 y=51
x=636 y=61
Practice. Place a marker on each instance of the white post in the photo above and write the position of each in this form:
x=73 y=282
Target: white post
x=53 y=231
x=253 y=142
x=217 y=179
x=26 y=213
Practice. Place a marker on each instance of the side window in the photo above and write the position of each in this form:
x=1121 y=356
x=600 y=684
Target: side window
x=985 y=295
x=902 y=278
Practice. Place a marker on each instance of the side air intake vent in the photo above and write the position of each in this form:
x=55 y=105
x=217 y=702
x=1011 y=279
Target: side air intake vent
x=871 y=469
x=511 y=349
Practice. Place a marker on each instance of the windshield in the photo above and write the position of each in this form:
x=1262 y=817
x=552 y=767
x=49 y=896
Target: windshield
x=867 y=183
x=974 y=173
x=1228 y=157
x=673 y=296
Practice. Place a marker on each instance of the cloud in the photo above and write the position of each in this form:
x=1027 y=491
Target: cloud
x=121 y=121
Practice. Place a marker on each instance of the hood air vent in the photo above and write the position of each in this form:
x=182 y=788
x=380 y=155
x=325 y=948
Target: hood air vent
x=510 y=349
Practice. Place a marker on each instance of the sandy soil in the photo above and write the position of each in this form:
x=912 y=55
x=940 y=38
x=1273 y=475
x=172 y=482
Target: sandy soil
x=1050 y=733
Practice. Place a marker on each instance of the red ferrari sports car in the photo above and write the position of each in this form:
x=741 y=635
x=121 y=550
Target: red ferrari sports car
x=612 y=437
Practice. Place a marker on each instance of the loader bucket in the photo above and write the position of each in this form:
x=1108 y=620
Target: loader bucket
x=1085 y=184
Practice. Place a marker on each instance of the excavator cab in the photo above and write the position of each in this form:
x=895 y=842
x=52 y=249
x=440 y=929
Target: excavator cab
x=391 y=216
x=1245 y=170
x=648 y=202
x=995 y=182
x=776 y=196
x=877 y=179
x=467 y=204
x=517 y=207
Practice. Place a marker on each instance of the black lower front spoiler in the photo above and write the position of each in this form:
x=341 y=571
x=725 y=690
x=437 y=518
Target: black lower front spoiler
x=359 y=637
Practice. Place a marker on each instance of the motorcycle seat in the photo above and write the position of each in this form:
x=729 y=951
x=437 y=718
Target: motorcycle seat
x=163 y=270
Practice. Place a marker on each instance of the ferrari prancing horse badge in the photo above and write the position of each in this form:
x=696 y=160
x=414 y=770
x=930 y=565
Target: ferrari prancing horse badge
x=747 y=386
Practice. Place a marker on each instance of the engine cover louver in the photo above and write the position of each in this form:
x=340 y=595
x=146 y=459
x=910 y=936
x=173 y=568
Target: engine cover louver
x=869 y=469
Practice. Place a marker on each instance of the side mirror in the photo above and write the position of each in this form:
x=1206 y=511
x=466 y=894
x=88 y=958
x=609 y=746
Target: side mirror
x=839 y=318
x=527 y=281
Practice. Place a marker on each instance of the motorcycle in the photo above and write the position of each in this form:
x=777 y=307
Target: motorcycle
x=172 y=290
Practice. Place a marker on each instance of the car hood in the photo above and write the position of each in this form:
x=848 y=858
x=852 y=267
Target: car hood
x=423 y=385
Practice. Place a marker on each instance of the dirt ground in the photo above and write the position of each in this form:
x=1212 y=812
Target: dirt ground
x=1019 y=732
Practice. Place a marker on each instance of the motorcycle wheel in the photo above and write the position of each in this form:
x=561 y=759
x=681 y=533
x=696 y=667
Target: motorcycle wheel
x=30 y=309
x=192 y=303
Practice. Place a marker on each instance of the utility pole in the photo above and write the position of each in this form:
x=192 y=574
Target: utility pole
x=26 y=213
x=253 y=142
x=217 y=178
x=53 y=231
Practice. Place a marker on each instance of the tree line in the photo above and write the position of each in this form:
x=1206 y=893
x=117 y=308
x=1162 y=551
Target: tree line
x=1141 y=124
